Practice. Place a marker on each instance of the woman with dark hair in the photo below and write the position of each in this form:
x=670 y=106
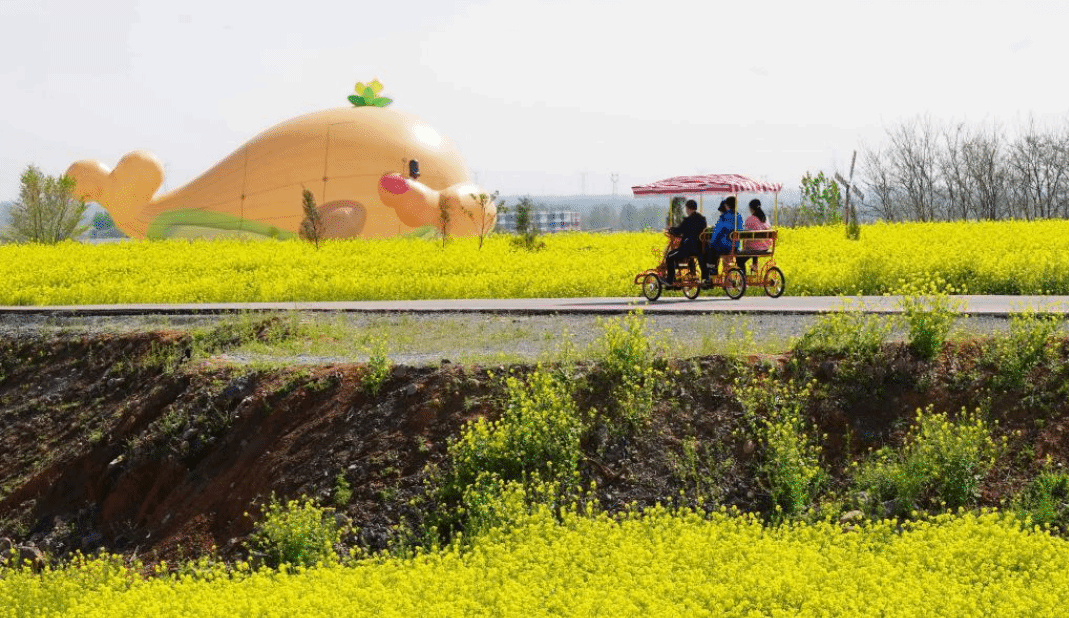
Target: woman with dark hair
x=757 y=221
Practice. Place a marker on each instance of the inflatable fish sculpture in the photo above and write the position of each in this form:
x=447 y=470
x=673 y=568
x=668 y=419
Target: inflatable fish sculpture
x=373 y=171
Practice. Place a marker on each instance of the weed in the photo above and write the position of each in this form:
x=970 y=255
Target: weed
x=343 y=492
x=790 y=466
x=940 y=464
x=1031 y=341
x=1045 y=501
x=378 y=368
x=849 y=331
x=631 y=363
x=930 y=313
x=296 y=533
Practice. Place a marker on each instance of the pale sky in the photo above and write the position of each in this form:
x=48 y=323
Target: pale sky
x=533 y=94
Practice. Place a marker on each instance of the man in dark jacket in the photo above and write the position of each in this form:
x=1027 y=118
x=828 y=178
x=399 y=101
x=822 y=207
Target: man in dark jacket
x=689 y=229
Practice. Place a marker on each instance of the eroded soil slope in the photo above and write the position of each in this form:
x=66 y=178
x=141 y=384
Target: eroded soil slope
x=120 y=442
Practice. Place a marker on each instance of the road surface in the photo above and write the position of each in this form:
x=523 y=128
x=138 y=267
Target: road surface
x=712 y=303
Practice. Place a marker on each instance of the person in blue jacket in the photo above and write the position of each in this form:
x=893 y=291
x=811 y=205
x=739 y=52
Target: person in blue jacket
x=720 y=239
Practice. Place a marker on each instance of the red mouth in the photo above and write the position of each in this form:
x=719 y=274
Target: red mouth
x=394 y=183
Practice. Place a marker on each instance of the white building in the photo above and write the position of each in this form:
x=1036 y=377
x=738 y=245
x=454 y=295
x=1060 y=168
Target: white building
x=545 y=221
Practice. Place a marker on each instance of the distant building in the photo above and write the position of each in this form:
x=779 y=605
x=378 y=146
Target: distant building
x=546 y=221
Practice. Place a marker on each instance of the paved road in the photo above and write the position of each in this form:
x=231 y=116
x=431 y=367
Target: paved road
x=974 y=305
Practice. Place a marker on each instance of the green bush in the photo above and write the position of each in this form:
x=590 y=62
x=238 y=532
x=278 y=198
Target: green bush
x=378 y=368
x=1045 y=501
x=941 y=463
x=630 y=362
x=790 y=453
x=296 y=533
x=930 y=314
x=1032 y=340
x=848 y=331
x=538 y=433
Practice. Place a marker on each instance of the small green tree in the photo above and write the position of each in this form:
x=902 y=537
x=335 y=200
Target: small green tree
x=527 y=232
x=484 y=219
x=312 y=225
x=821 y=200
x=675 y=210
x=443 y=218
x=46 y=211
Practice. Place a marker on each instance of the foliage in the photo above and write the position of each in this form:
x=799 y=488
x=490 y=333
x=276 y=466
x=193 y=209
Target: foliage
x=930 y=314
x=790 y=453
x=297 y=533
x=658 y=563
x=529 y=454
x=343 y=491
x=940 y=464
x=821 y=200
x=444 y=216
x=1045 y=501
x=312 y=224
x=631 y=364
x=849 y=331
x=675 y=211
x=484 y=220
x=1030 y=342
x=378 y=368
x=526 y=231
x=367 y=95
x=46 y=211
x=817 y=260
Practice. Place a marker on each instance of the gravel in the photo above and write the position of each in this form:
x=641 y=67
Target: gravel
x=428 y=338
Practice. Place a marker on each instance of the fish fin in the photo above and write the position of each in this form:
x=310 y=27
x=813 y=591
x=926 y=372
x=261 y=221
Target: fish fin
x=124 y=191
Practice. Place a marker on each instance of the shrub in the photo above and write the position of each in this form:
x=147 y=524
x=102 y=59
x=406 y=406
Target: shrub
x=1031 y=340
x=942 y=462
x=849 y=331
x=630 y=363
x=930 y=314
x=46 y=211
x=1045 y=501
x=538 y=433
x=790 y=460
x=296 y=533
x=378 y=368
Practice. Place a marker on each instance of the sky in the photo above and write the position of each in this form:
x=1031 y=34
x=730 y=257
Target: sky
x=541 y=98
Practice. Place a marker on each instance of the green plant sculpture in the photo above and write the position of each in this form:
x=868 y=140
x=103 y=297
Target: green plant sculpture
x=368 y=95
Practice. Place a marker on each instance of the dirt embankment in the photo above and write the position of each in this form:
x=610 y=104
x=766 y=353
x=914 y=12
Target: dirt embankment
x=115 y=442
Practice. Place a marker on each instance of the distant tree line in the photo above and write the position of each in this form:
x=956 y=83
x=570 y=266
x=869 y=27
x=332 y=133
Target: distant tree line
x=931 y=171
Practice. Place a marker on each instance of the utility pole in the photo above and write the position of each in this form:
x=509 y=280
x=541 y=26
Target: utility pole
x=615 y=178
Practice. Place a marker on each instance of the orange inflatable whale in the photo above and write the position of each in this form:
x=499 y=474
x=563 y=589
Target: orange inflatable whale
x=374 y=172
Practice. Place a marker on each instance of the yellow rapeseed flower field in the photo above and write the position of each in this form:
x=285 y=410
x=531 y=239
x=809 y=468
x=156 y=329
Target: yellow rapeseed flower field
x=986 y=257
x=659 y=564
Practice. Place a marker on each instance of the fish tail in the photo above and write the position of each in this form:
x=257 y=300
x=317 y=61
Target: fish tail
x=124 y=191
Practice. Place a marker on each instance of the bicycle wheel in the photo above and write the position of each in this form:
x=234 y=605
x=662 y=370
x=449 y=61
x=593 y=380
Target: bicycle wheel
x=735 y=283
x=775 y=282
x=651 y=287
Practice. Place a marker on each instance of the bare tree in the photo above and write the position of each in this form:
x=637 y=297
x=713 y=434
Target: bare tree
x=484 y=220
x=958 y=187
x=985 y=163
x=914 y=159
x=1039 y=162
x=882 y=198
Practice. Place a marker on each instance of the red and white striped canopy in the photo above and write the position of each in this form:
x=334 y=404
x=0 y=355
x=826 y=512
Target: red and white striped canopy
x=707 y=183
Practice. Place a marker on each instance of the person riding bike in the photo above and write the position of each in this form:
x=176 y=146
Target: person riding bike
x=720 y=241
x=689 y=230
